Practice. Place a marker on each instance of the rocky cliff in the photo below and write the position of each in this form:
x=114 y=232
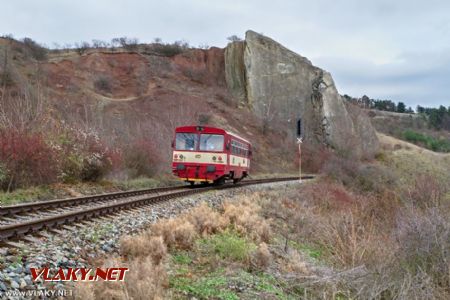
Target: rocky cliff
x=124 y=95
x=282 y=86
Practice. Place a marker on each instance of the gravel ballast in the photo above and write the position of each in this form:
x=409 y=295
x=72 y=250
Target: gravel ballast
x=95 y=239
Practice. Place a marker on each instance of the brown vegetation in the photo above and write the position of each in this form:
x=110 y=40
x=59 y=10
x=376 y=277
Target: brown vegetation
x=376 y=237
x=145 y=253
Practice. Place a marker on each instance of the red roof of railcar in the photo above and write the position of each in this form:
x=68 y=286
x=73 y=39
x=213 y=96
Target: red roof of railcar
x=207 y=129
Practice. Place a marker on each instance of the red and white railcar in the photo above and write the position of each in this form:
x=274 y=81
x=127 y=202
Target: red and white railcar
x=208 y=154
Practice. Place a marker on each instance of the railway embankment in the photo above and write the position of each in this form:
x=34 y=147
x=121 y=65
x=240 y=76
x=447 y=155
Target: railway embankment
x=87 y=244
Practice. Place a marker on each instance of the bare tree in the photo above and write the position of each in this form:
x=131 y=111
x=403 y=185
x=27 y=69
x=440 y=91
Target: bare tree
x=82 y=47
x=234 y=38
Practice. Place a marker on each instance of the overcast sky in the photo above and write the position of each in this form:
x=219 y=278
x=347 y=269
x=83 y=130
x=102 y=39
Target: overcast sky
x=386 y=49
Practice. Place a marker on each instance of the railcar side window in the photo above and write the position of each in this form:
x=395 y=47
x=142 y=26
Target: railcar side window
x=211 y=142
x=186 y=141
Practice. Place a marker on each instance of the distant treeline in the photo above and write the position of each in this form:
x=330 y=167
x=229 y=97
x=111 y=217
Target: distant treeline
x=385 y=105
x=437 y=118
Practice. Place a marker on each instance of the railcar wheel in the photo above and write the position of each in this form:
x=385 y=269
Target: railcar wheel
x=219 y=181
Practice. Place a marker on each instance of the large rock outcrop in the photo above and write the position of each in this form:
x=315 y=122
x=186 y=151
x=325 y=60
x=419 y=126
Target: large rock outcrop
x=280 y=85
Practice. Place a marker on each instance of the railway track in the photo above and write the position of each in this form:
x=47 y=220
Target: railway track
x=30 y=218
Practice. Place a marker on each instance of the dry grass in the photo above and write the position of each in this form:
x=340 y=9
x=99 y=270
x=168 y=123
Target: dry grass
x=376 y=243
x=206 y=220
x=145 y=280
x=145 y=254
x=142 y=246
x=261 y=258
x=177 y=233
x=382 y=239
x=295 y=264
x=245 y=219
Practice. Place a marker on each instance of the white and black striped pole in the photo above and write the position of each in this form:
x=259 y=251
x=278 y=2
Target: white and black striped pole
x=299 y=142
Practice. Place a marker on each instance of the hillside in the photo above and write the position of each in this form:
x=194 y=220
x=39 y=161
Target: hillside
x=411 y=127
x=90 y=120
x=124 y=103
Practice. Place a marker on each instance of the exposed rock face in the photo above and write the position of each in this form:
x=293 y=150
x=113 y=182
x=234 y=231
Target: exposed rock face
x=281 y=85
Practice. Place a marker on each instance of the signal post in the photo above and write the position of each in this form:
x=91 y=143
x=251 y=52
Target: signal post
x=299 y=142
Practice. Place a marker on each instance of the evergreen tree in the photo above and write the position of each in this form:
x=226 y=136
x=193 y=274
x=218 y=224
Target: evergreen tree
x=401 y=108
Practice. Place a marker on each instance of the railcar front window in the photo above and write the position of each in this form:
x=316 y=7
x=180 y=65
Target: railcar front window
x=211 y=142
x=186 y=141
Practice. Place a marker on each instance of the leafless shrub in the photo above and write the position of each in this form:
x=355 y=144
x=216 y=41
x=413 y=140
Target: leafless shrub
x=177 y=233
x=23 y=109
x=362 y=177
x=314 y=157
x=295 y=263
x=204 y=119
x=130 y=44
x=6 y=79
x=206 y=220
x=103 y=84
x=170 y=50
x=36 y=51
x=245 y=219
x=204 y=46
x=99 y=44
x=146 y=280
x=141 y=158
x=82 y=47
x=143 y=245
x=261 y=258
x=426 y=191
x=424 y=244
x=195 y=75
x=234 y=38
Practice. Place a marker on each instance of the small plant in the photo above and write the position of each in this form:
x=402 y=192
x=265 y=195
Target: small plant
x=181 y=258
x=212 y=287
x=103 y=84
x=229 y=244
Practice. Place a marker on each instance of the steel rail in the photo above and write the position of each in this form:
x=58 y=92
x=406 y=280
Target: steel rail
x=20 y=229
x=49 y=204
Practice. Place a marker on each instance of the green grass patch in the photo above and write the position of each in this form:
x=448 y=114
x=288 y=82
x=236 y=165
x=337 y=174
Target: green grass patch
x=437 y=145
x=213 y=287
x=229 y=245
x=145 y=183
x=308 y=249
x=260 y=282
x=22 y=195
x=181 y=258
